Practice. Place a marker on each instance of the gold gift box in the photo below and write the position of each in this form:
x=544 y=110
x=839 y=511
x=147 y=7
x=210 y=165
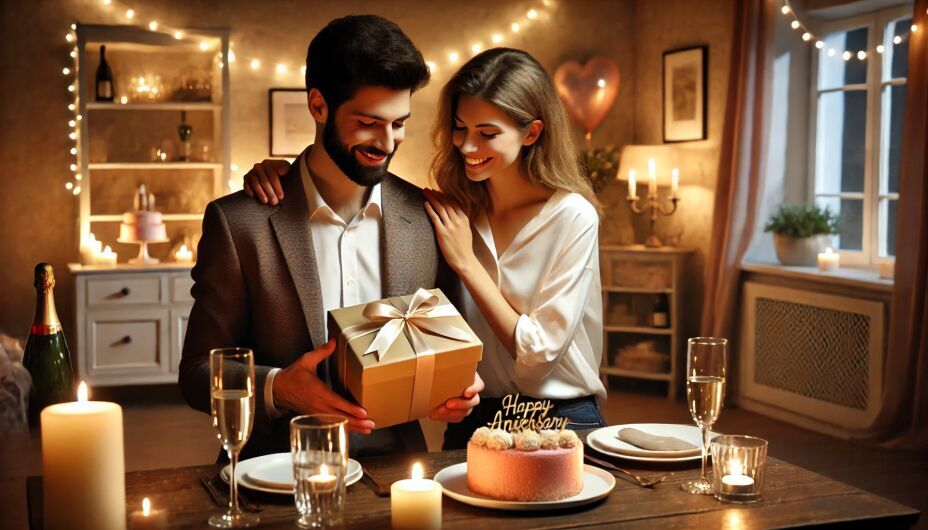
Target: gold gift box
x=384 y=387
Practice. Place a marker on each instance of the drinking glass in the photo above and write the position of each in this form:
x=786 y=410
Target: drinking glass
x=319 y=449
x=232 y=400
x=705 y=392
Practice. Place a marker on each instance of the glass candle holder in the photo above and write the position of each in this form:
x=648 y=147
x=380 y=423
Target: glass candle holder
x=319 y=450
x=738 y=464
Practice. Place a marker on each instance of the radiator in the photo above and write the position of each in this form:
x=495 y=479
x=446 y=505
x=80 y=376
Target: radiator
x=811 y=359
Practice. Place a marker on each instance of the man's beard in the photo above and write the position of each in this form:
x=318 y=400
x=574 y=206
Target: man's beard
x=345 y=159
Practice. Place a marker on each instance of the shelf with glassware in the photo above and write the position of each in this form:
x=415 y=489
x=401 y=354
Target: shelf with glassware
x=642 y=312
x=164 y=125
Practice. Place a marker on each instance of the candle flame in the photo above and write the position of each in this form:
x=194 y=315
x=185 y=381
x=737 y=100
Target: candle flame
x=829 y=250
x=417 y=472
x=146 y=507
x=82 y=392
x=735 y=468
x=324 y=470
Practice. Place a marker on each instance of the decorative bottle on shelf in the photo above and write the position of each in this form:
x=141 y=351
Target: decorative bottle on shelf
x=104 y=78
x=660 y=315
x=46 y=356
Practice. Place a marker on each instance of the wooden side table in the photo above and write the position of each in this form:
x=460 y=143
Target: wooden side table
x=633 y=277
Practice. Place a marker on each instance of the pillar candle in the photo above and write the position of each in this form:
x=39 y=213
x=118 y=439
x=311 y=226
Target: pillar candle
x=83 y=466
x=415 y=503
x=674 y=182
x=652 y=179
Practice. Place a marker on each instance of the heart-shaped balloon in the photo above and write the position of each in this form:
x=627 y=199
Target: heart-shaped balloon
x=588 y=91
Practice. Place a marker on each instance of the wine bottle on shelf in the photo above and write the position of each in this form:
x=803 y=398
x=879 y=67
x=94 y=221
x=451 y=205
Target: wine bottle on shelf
x=660 y=315
x=46 y=355
x=104 y=78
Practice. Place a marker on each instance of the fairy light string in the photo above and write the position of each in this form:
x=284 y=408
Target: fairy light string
x=129 y=15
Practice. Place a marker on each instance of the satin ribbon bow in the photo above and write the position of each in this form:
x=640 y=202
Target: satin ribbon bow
x=422 y=314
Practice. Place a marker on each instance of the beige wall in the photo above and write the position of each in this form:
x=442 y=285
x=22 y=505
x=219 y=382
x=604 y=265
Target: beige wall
x=38 y=216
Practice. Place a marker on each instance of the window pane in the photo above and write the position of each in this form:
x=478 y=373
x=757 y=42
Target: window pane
x=850 y=221
x=893 y=115
x=833 y=70
x=895 y=64
x=888 y=228
x=840 y=142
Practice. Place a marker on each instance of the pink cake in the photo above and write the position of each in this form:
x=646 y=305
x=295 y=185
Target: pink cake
x=142 y=226
x=525 y=466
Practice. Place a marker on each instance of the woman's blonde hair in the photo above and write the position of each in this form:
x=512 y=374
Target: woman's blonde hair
x=516 y=83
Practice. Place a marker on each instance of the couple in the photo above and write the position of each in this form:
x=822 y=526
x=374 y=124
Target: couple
x=348 y=232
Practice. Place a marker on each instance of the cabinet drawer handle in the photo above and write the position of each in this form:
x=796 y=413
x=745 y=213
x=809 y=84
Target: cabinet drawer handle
x=124 y=291
x=125 y=340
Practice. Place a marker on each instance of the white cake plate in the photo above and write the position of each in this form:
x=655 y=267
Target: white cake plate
x=596 y=485
x=143 y=258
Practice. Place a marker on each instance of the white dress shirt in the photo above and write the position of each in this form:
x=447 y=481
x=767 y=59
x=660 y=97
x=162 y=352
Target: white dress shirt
x=347 y=255
x=550 y=275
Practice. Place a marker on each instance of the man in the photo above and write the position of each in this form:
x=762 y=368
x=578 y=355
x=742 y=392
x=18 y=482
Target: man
x=349 y=233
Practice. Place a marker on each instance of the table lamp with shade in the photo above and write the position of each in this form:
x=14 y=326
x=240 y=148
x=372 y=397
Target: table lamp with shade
x=658 y=165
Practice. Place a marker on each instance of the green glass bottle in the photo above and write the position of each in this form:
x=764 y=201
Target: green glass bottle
x=46 y=356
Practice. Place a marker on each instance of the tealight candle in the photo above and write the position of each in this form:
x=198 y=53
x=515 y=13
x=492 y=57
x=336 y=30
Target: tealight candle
x=183 y=255
x=107 y=257
x=323 y=482
x=147 y=517
x=737 y=484
x=83 y=465
x=828 y=260
x=415 y=503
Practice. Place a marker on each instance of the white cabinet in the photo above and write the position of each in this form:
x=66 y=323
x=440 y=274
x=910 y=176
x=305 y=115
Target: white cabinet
x=131 y=322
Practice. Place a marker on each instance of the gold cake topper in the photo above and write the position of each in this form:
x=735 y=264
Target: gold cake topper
x=519 y=415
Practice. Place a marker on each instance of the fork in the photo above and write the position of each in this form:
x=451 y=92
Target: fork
x=222 y=499
x=643 y=482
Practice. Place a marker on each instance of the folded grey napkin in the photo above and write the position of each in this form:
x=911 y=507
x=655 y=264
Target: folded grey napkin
x=653 y=443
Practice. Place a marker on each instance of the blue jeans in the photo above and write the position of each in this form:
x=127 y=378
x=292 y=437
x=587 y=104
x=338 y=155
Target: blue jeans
x=583 y=413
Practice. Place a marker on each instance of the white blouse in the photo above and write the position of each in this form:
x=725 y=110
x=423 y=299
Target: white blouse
x=550 y=275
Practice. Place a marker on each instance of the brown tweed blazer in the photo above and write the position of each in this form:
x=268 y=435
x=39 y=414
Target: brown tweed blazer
x=257 y=285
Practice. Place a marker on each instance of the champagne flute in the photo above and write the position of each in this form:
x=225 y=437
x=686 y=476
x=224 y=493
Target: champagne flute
x=705 y=392
x=232 y=400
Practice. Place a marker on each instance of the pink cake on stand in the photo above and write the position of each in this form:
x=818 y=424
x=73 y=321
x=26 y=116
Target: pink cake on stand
x=525 y=466
x=143 y=226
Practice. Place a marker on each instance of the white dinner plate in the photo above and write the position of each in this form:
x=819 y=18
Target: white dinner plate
x=605 y=441
x=274 y=473
x=453 y=479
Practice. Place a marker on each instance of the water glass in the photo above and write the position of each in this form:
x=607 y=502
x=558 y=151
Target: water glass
x=319 y=450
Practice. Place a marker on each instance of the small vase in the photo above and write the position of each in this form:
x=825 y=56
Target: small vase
x=802 y=251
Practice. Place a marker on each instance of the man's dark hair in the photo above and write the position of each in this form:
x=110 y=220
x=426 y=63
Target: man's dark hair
x=362 y=50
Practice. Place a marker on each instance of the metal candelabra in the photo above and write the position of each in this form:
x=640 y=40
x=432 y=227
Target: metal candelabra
x=656 y=208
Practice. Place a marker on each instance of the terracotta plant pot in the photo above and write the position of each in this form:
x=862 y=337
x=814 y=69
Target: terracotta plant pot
x=801 y=251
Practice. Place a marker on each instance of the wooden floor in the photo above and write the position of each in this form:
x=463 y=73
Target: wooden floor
x=160 y=431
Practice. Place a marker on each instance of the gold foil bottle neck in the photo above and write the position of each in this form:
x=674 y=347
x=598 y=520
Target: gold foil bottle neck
x=46 y=317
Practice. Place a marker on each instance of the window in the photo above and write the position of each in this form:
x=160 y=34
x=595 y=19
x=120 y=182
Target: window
x=859 y=80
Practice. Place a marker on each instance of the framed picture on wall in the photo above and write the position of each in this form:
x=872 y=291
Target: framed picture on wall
x=292 y=127
x=685 y=94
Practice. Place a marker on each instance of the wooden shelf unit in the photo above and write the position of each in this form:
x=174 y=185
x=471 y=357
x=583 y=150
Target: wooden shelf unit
x=666 y=264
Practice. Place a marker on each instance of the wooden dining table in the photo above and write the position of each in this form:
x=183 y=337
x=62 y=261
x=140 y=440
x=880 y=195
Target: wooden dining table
x=792 y=497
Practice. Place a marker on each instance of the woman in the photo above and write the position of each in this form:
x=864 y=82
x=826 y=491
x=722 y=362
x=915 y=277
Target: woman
x=510 y=172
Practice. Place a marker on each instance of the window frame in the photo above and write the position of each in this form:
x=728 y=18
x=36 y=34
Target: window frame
x=874 y=215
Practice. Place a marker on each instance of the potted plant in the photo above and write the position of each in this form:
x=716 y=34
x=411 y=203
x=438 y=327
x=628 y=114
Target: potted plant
x=800 y=232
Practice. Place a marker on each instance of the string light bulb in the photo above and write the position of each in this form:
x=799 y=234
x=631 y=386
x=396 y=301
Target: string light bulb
x=281 y=68
x=846 y=56
x=78 y=176
x=68 y=185
x=178 y=35
x=73 y=151
x=861 y=55
x=785 y=10
x=73 y=167
x=130 y=14
x=515 y=27
x=914 y=28
x=70 y=88
x=601 y=83
x=107 y=2
x=72 y=123
x=807 y=36
x=819 y=44
x=69 y=37
x=204 y=45
x=794 y=24
x=453 y=57
x=231 y=57
x=255 y=64
x=897 y=40
x=831 y=52
x=432 y=66
x=880 y=48
x=71 y=107
x=65 y=71
x=77 y=190
x=497 y=38
x=476 y=47
x=532 y=14
x=153 y=25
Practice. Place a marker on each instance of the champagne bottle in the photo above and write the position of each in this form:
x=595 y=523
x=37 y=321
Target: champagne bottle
x=46 y=356
x=660 y=315
x=104 y=78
